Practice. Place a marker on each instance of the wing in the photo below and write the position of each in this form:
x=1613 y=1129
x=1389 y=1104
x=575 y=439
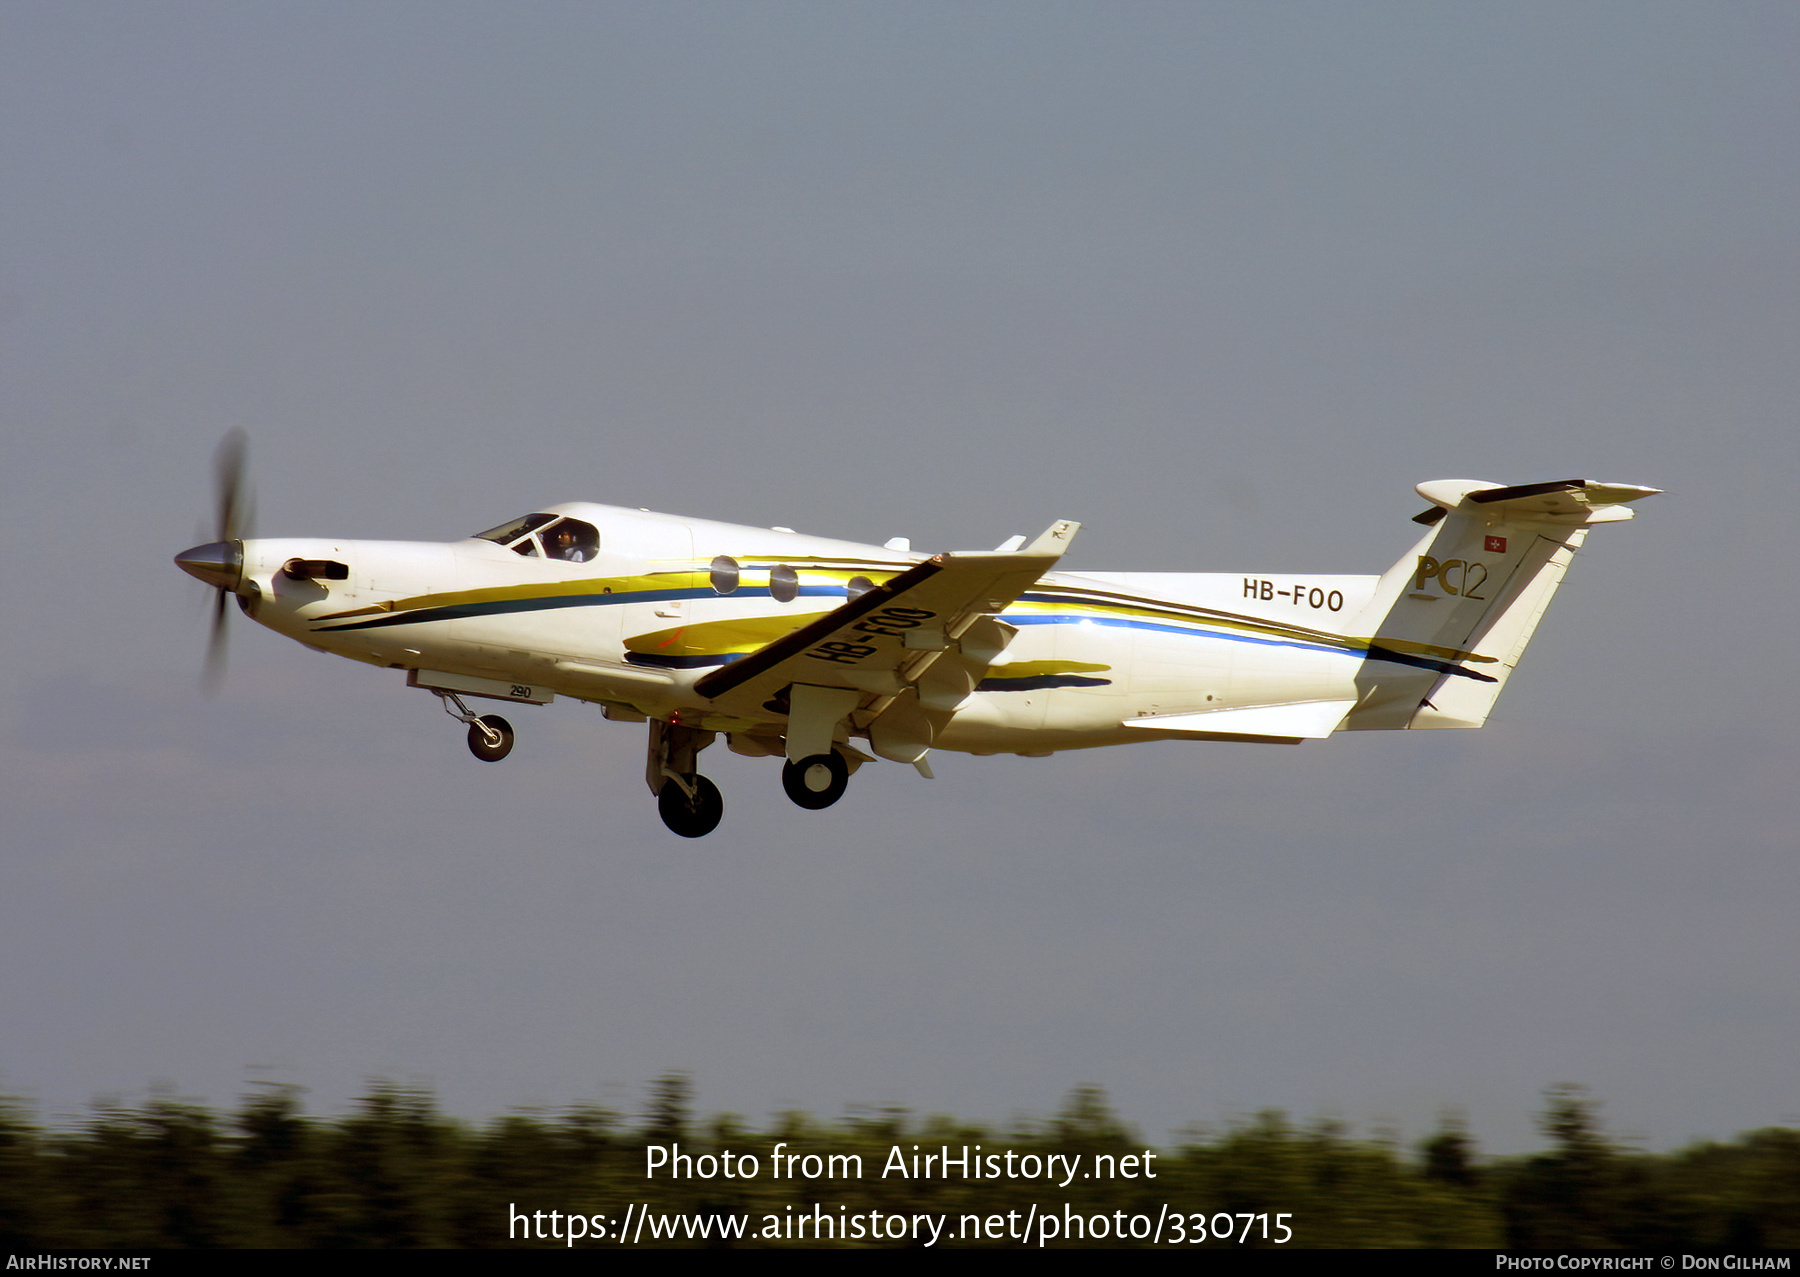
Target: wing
x=925 y=637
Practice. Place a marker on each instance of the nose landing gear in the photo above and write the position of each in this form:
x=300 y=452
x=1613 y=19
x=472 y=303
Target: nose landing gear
x=490 y=736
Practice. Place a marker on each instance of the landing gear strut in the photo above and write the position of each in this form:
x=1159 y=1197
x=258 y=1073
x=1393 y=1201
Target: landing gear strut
x=689 y=803
x=816 y=782
x=490 y=736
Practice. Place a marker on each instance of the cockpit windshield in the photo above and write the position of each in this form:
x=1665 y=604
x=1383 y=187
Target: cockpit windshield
x=547 y=535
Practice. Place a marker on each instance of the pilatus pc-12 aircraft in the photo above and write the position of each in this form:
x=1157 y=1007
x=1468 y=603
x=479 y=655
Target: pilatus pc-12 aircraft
x=829 y=654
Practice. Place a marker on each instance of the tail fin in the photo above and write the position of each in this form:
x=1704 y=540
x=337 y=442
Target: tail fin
x=1448 y=622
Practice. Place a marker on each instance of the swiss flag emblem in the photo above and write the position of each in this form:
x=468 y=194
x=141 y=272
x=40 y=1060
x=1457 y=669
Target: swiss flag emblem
x=1495 y=545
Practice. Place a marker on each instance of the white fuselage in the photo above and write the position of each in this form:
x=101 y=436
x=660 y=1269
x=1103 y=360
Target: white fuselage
x=637 y=624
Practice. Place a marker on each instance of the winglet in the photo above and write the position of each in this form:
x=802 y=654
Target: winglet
x=1055 y=539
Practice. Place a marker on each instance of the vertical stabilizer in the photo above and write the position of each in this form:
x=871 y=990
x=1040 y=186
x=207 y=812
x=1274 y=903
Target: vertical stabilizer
x=1448 y=622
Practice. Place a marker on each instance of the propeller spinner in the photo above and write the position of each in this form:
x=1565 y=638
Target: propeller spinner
x=220 y=563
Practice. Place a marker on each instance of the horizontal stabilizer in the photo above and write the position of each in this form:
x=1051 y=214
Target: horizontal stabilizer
x=1557 y=501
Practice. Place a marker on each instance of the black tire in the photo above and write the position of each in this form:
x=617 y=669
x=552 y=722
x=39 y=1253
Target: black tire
x=478 y=741
x=803 y=783
x=691 y=818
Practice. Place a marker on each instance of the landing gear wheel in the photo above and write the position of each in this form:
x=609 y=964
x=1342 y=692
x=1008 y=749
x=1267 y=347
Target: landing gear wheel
x=816 y=782
x=693 y=817
x=482 y=734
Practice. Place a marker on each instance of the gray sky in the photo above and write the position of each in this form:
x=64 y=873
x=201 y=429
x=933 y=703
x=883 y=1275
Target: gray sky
x=1222 y=281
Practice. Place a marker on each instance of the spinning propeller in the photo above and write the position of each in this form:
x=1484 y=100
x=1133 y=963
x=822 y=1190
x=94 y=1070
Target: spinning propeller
x=220 y=562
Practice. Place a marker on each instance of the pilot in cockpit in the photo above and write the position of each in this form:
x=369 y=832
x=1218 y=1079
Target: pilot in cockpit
x=570 y=540
x=563 y=542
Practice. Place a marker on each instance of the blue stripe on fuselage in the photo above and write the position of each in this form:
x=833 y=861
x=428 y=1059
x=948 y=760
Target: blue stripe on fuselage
x=548 y=603
x=1373 y=653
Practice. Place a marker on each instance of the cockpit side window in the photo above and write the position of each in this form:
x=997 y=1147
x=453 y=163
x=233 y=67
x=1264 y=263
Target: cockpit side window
x=555 y=538
x=570 y=540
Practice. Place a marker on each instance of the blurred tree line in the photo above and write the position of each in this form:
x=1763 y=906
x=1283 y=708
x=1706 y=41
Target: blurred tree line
x=395 y=1172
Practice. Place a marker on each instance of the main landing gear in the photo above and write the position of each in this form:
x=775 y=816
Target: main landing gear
x=490 y=736
x=690 y=806
x=689 y=803
x=816 y=782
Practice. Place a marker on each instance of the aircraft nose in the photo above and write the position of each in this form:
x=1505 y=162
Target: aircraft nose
x=219 y=563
